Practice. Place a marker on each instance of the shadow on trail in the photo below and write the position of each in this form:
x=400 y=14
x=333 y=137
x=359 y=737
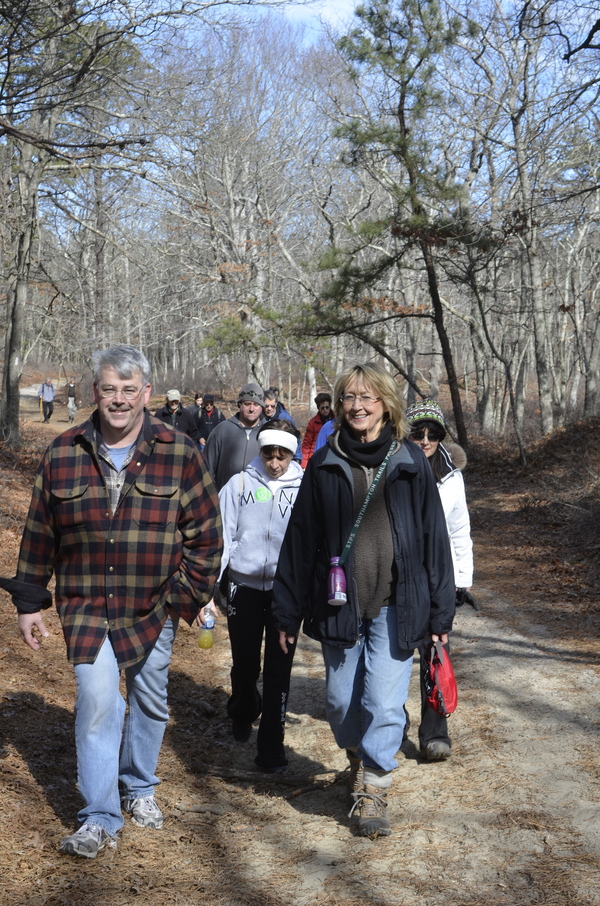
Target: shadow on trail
x=489 y=646
x=43 y=735
x=200 y=734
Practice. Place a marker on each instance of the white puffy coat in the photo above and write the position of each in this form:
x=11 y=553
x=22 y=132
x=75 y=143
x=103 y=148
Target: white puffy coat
x=454 y=502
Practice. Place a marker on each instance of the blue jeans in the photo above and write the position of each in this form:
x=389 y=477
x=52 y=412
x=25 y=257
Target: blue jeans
x=367 y=687
x=99 y=733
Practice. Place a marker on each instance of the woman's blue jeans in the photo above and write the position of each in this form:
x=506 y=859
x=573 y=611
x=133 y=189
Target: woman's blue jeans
x=367 y=687
x=112 y=760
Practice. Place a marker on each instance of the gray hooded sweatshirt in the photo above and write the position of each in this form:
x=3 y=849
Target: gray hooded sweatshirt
x=255 y=510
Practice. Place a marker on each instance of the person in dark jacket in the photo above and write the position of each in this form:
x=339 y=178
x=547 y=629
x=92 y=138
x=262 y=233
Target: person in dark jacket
x=195 y=409
x=399 y=578
x=208 y=418
x=233 y=444
x=173 y=414
x=274 y=409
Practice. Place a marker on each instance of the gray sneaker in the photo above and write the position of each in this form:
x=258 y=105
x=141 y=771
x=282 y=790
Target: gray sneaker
x=87 y=841
x=144 y=811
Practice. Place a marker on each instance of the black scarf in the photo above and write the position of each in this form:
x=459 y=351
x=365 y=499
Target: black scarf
x=370 y=454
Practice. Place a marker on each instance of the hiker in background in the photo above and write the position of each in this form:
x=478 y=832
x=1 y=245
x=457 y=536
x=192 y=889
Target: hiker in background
x=173 y=414
x=195 y=408
x=274 y=409
x=208 y=419
x=428 y=430
x=369 y=495
x=324 y=415
x=72 y=399
x=280 y=405
x=46 y=394
x=233 y=444
x=255 y=508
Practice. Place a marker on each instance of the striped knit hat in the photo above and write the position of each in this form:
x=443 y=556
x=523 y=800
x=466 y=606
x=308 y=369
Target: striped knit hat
x=426 y=411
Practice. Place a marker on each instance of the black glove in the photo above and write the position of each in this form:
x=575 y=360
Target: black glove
x=465 y=597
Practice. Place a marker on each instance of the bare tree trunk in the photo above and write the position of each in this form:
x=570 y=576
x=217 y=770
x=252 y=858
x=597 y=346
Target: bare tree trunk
x=591 y=403
x=31 y=165
x=312 y=389
x=438 y=317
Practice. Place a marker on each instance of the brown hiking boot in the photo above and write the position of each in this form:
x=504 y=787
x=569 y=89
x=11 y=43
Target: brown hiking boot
x=355 y=780
x=371 y=803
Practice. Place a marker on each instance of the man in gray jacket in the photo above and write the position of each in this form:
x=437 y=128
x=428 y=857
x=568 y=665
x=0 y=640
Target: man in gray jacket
x=232 y=444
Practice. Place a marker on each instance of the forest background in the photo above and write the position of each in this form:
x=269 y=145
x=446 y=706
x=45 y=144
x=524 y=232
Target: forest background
x=246 y=198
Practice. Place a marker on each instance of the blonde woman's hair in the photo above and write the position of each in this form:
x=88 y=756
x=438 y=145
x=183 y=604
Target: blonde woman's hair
x=377 y=378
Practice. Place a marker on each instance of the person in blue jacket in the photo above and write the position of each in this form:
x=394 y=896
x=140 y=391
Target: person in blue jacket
x=399 y=578
x=274 y=408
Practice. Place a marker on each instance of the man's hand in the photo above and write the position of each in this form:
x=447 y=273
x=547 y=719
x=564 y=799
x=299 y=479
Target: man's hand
x=209 y=610
x=284 y=640
x=27 y=622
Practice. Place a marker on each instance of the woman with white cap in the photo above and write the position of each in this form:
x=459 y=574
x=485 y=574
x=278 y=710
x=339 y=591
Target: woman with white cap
x=255 y=508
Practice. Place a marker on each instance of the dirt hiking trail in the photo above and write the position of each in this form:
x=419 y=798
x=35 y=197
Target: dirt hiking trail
x=512 y=818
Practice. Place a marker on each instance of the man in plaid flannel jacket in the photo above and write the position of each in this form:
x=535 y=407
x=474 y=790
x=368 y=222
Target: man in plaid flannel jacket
x=125 y=513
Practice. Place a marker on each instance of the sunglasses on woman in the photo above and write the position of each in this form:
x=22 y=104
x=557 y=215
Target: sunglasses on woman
x=420 y=433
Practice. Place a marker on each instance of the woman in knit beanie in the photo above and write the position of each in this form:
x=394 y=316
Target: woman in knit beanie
x=428 y=430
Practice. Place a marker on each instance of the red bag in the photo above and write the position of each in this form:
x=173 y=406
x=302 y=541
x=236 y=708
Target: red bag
x=439 y=679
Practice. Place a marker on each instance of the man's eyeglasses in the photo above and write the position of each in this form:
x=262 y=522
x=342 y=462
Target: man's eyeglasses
x=349 y=399
x=129 y=393
x=420 y=434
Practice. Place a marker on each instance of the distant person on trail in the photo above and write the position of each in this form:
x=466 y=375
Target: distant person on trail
x=208 y=419
x=428 y=430
x=275 y=392
x=173 y=413
x=233 y=444
x=72 y=399
x=274 y=409
x=46 y=394
x=126 y=516
x=195 y=408
x=255 y=507
x=324 y=415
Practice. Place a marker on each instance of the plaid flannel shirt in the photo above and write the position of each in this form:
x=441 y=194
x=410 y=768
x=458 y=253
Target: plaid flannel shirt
x=119 y=573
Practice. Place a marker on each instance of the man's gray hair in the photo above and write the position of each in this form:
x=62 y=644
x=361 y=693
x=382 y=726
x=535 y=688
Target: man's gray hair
x=122 y=359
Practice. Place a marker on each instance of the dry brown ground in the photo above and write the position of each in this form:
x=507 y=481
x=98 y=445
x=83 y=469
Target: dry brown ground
x=512 y=818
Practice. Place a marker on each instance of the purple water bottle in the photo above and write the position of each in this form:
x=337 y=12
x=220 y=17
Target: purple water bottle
x=336 y=585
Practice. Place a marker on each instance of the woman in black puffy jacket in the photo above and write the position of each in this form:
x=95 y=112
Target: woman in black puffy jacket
x=399 y=579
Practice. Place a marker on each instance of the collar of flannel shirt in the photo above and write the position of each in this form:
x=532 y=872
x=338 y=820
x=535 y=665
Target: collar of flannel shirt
x=114 y=478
